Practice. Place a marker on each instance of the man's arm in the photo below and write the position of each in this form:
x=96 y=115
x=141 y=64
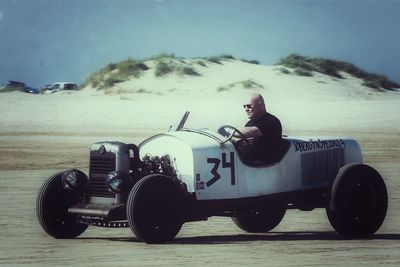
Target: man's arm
x=251 y=131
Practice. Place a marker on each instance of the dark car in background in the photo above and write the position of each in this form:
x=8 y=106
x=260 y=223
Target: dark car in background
x=31 y=90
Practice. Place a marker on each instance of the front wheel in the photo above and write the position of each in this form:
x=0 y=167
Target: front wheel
x=52 y=209
x=154 y=209
x=256 y=222
x=358 y=201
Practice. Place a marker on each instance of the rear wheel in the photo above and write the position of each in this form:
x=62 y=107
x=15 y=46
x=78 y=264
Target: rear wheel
x=358 y=201
x=260 y=222
x=52 y=209
x=154 y=209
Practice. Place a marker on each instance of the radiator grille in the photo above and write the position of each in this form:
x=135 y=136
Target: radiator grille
x=100 y=166
x=321 y=166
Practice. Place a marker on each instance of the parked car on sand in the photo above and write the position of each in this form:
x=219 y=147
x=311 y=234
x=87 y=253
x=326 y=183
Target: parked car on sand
x=31 y=90
x=55 y=87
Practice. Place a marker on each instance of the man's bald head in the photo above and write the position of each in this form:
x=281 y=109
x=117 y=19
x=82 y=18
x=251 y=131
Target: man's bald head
x=256 y=107
x=256 y=98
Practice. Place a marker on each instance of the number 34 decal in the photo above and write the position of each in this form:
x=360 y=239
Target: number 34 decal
x=225 y=164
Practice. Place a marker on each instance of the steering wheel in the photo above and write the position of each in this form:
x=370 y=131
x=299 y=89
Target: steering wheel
x=229 y=131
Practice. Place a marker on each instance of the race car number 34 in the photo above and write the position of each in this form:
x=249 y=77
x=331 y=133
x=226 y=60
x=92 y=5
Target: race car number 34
x=225 y=164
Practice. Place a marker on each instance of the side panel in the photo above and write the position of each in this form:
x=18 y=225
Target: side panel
x=310 y=163
x=314 y=162
x=258 y=181
x=216 y=172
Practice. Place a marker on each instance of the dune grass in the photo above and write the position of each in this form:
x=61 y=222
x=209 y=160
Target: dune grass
x=221 y=58
x=180 y=67
x=115 y=73
x=304 y=66
x=125 y=70
x=168 y=64
x=165 y=64
x=250 y=84
x=245 y=84
x=163 y=68
x=251 y=61
x=9 y=88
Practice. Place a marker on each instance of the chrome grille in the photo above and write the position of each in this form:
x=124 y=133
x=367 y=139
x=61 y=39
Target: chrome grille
x=100 y=166
x=321 y=166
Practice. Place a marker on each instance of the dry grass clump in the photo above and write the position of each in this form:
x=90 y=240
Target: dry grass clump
x=304 y=66
x=115 y=73
x=245 y=84
x=9 y=88
x=168 y=64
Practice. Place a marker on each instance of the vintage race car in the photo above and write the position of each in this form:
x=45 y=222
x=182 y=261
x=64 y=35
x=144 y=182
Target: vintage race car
x=188 y=175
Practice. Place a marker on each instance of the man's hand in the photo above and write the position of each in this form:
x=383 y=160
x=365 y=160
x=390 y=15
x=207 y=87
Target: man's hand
x=246 y=146
x=250 y=141
x=222 y=131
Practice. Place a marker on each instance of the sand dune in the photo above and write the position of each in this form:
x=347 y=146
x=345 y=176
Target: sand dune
x=41 y=134
x=214 y=97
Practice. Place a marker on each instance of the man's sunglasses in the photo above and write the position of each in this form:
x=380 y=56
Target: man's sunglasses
x=248 y=106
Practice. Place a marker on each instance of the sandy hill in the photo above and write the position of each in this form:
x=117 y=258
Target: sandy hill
x=165 y=74
x=135 y=96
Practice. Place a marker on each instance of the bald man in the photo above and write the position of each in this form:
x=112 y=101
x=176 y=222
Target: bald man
x=263 y=130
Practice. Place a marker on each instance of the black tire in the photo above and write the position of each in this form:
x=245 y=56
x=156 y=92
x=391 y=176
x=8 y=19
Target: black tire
x=52 y=209
x=154 y=209
x=260 y=222
x=358 y=201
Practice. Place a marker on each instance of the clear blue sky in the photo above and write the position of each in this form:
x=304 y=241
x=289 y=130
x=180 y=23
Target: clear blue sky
x=44 y=41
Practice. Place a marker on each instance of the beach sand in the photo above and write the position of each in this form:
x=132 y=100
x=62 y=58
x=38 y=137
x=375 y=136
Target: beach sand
x=42 y=134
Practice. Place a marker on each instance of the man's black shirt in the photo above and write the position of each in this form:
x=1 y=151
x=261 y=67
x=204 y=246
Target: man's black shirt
x=271 y=128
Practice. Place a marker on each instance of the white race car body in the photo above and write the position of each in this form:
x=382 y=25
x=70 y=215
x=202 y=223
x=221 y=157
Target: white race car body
x=189 y=175
x=214 y=170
